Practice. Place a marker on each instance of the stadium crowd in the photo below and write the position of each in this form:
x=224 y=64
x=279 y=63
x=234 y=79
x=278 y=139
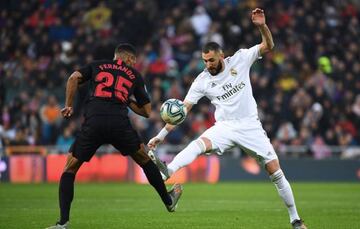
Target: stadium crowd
x=307 y=89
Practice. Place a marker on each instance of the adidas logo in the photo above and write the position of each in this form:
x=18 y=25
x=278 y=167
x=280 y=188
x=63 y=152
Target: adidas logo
x=213 y=85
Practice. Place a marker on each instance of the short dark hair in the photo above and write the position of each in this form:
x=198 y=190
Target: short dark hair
x=211 y=46
x=125 y=47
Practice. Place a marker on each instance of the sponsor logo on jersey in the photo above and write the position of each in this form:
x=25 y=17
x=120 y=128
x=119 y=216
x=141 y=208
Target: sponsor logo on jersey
x=213 y=84
x=230 y=91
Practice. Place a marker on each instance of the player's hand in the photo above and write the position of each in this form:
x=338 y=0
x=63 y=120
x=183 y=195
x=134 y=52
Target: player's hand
x=258 y=17
x=67 y=112
x=153 y=143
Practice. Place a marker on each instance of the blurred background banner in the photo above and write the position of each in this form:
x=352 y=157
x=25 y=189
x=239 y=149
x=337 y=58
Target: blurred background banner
x=307 y=89
x=32 y=167
x=110 y=166
x=303 y=169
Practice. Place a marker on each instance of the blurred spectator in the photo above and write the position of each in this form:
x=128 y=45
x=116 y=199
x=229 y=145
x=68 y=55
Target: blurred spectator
x=200 y=21
x=98 y=17
x=356 y=106
x=50 y=116
x=2 y=147
x=65 y=140
x=2 y=90
x=286 y=132
x=313 y=115
x=319 y=149
x=20 y=138
x=213 y=35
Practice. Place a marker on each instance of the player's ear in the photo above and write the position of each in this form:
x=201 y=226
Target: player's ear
x=222 y=55
x=129 y=60
x=117 y=56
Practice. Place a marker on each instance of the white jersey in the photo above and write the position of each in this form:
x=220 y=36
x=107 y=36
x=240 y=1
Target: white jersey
x=230 y=91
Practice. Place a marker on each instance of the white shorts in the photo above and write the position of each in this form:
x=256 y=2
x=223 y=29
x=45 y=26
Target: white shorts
x=247 y=134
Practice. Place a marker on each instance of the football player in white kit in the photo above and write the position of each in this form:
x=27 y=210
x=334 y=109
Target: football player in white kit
x=226 y=82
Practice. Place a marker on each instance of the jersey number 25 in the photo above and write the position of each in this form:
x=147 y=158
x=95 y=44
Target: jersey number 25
x=106 y=80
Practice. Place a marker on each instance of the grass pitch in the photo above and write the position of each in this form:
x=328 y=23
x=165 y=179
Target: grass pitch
x=223 y=205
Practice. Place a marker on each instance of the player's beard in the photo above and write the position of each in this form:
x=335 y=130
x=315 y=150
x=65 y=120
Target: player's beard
x=215 y=71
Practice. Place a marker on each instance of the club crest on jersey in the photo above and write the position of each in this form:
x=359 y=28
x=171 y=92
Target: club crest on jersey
x=233 y=72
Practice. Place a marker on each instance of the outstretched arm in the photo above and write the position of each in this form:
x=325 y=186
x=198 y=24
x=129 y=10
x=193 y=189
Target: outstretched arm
x=167 y=128
x=71 y=87
x=258 y=18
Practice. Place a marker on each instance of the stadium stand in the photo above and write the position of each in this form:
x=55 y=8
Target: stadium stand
x=307 y=89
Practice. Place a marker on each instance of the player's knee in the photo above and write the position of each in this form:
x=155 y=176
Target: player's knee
x=272 y=166
x=276 y=176
x=199 y=146
x=205 y=144
x=69 y=170
x=72 y=164
x=72 y=168
x=140 y=157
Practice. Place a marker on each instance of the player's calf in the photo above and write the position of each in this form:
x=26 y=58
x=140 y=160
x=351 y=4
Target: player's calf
x=160 y=164
x=284 y=189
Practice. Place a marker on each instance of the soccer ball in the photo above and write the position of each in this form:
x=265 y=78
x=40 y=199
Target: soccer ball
x=173 y=111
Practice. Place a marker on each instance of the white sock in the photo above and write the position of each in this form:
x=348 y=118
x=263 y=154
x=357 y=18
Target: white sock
x=285 y=192
x=186 y=156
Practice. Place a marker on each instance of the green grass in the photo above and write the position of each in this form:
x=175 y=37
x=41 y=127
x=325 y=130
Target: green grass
x=223 y=205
